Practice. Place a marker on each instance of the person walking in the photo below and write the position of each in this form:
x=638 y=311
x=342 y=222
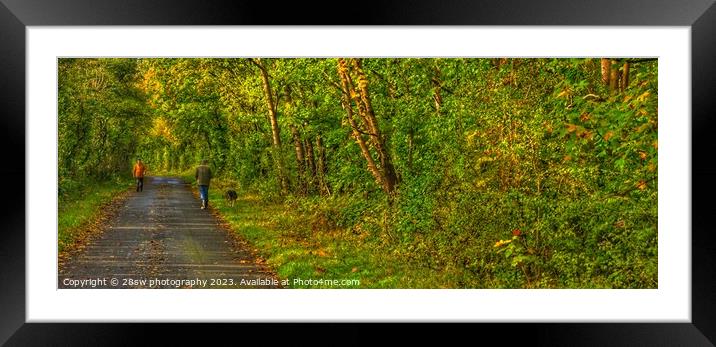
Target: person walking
x=139 y=170
x=203 y=177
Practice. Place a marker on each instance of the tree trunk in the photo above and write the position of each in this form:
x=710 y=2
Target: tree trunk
x=384 y=175
x=613 y=77
x=322 y=167
x=390 y=178
x=348 y=95
x=300 y=160
x=606 y=67
x=625 y=77
x=275 y=130
x=311 y=161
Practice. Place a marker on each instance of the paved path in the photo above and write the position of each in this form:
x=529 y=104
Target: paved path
x=160 y=238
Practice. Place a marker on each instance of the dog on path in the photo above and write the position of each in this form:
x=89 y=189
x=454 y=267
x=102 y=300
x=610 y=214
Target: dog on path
x=230 y=196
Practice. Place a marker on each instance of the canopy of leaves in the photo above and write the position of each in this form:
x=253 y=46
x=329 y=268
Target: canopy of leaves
x=511 y=172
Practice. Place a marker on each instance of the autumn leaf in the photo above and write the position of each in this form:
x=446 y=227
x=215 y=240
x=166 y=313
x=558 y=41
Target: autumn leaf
x=586 y=134
x=641 y=185
x=608 y=135
x=501 y=242
x=643 y=96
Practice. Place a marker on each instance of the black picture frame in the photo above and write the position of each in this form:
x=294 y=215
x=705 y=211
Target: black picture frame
x=699 y=15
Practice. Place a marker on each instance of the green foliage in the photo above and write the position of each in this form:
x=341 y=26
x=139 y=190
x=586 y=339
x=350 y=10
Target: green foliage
x=481 y=147
x=101 y=114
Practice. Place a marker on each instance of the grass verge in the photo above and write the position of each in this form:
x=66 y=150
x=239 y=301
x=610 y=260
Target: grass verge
x=83 y=207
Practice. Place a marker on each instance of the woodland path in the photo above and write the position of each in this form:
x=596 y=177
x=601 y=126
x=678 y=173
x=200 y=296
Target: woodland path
x=160 y=238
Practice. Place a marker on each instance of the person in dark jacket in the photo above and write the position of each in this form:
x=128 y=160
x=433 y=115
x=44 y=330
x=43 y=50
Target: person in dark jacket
x=203 y=177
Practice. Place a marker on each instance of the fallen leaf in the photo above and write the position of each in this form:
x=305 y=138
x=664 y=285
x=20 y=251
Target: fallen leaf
x=641 y=185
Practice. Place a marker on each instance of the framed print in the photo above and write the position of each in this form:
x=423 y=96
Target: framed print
x=341 y=208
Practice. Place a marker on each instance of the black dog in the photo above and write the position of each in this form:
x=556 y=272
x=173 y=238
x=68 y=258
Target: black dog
x=230 y=196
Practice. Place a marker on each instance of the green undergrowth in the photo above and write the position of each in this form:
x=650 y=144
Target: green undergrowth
x=595 y=242
x=80 y=203
x=311 y=244
x=299 y=246
x=302 y=245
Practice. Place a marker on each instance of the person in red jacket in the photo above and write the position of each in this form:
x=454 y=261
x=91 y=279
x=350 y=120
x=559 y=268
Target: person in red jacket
x=139 y=171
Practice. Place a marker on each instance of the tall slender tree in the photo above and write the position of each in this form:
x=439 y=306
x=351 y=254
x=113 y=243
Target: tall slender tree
x=275 y=129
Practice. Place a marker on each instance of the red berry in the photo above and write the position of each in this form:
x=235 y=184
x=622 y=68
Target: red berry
x=516 y=232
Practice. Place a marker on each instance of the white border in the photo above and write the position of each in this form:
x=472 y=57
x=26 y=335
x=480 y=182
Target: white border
x=670 y=302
